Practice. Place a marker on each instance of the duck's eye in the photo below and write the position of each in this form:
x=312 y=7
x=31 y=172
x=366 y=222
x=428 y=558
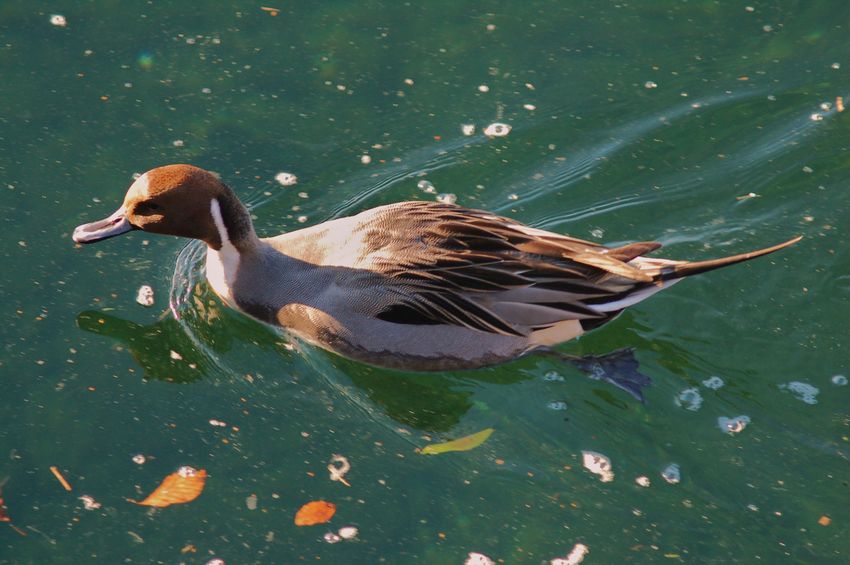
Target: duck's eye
x=147 y=208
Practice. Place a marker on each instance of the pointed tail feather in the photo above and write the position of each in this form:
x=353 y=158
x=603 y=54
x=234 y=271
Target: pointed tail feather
x=687 y=269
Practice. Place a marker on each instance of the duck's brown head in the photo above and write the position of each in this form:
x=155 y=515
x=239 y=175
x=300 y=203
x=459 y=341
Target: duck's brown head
x=180 y=200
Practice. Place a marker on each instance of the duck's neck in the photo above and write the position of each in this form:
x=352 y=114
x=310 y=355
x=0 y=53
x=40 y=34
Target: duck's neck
x=233 y=223
x=235 y=238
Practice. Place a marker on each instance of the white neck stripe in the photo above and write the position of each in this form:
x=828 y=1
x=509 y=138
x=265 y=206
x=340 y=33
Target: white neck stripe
x=215 y=210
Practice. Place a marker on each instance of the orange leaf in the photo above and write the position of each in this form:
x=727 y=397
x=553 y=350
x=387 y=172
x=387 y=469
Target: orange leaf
x=3 y=516
x=183 y=486
x=316 y=512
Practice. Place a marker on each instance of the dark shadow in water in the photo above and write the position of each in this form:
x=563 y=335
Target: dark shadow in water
x=431 y=402
x=166 y=352
x=162 y=349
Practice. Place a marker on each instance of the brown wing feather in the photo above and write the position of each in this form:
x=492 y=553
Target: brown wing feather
x=454 y=265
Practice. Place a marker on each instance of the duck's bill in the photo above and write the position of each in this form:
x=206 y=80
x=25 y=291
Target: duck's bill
x=116 y=224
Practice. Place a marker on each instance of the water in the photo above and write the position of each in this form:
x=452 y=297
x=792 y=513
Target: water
x=721 y=156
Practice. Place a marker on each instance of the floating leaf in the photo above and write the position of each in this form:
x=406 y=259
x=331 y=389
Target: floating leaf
x=183 y=486
x=3 y=516
x=316 y=512
x=60 y=478
x=462 y=444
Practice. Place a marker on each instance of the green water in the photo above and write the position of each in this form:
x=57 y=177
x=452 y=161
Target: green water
x=88 y=378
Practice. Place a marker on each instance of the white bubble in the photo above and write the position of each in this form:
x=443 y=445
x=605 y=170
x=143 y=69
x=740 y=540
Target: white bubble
x=478 y=559
x=643 y=481
x=529 y=107
x=598 y=464
x=187 y=471
x=467 y=129
x=89 y=503
x=483 y=88
x=839 y=380
x=672 y=474
x=803 y=391
x=576 y=556
x=497 y=129
x=426 y=187
x=557 y=405
x=552 y=376
x=365 y=159
x=650 y=84
x=713 y=383
x=139 y=459
x=734 y=425
x=447 y=198
x=58 y=20
x=331 y=537
x=178 y=143
x=286 y=179
x=348 y=532
x=145 y=295
x=689 y=399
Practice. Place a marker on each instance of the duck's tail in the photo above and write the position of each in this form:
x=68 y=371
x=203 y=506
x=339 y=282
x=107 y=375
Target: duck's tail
x=685 y=268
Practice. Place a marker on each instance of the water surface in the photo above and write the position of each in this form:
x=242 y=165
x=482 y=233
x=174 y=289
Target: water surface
x=650 y=121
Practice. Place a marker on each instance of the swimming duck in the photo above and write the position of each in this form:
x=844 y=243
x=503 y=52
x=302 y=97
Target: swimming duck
x=420 y=286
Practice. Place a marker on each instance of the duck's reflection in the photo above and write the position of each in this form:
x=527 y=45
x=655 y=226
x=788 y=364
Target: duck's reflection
x=162 y=349
x=185 y=351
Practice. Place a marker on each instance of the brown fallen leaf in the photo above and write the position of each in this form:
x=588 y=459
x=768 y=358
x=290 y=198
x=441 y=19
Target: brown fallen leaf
x=3 y=516
x=316 y=512
x=177 y=488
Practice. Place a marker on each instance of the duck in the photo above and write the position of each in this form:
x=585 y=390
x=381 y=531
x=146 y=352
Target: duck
x=413 y=286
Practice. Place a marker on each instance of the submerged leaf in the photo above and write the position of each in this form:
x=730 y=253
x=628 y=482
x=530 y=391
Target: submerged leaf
x=461 y=444
x=316 y=512
x=183 y=486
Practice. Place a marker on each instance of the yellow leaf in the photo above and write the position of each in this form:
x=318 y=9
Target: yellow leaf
x=462 y=444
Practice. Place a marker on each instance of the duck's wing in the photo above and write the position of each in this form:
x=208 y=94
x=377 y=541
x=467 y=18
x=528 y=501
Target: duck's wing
x=444 y=264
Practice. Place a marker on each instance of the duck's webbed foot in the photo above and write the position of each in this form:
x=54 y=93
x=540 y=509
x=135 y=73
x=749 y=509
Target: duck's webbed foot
x=620 y=368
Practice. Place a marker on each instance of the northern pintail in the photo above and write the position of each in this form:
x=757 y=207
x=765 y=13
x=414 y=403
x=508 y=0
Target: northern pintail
x=419 y=286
